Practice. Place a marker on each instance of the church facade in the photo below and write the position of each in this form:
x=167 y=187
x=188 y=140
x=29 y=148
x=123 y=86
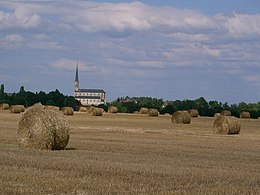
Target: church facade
x=88 y=96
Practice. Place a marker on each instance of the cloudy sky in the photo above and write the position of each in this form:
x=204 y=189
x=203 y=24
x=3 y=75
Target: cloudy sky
x=170 y=49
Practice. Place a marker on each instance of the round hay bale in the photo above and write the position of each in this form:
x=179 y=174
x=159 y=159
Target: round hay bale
x=53 y=107
x=43 y=128
x=216 y=115
x=193 y=112
x=144 y=110
x=112 y=109
x=245 y=115
x=226 y=125
x=16 y=109
x=225 y=113
x=91 y=109
x=181 y=117
x=153 y=112
x=22 y=108
x=82 y=109
x=98 y=112
x=4 y=106
x=68 y=111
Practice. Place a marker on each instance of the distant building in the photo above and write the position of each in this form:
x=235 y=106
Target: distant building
x=88 y=96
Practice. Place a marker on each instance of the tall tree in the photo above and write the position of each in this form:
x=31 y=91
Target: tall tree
x=2 y=90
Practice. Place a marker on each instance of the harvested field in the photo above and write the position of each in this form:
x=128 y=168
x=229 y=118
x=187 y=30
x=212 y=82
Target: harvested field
x=133 y=154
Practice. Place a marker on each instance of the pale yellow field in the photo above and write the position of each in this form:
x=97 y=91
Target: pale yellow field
x=133 y=154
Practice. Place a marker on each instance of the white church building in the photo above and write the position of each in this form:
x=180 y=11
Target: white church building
x=88 y=96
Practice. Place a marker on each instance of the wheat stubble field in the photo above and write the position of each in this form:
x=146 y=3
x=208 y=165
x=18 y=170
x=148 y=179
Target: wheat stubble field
x=133 y=154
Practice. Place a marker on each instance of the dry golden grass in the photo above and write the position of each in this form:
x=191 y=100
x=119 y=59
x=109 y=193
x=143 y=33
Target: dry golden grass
x=134 y=154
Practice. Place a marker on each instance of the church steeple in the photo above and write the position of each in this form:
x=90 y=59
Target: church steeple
x=76 y=83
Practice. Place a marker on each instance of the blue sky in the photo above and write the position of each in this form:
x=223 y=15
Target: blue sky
x=178 y=49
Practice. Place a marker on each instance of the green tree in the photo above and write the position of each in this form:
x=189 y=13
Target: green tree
x=202 y=106
x=42 y=97
x=214 y=107
x=55 y=98
x=71 y=102
x=169 y=108
x=20 y=98
x=226 y=106
x=22 y=90
x=242 y=106
x=2 y=90
x=2 y=94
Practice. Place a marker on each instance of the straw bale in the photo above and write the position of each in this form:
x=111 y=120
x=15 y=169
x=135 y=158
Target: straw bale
x=68 y=111
x=181 y=117
x=43 y=128
x=112 y=109
x=22 y=108
x=98 y=112
x=16 y=109
x=53 y=107
x=144 y=110
x=245 y=115
x=193 y=112
x=83 y=109
x=216 y=115
x=4 y=106
x=225 y=113
x=153 y=112
x=226 y=125
x=90 y=109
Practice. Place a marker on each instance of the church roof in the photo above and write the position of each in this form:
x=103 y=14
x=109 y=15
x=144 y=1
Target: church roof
x=92 y=90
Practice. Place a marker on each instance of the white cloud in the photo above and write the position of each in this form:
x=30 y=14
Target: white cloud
x=68 y=64
x=211 y=51
x=179 y=36
x=13 y=38
x=95 y=17
x=44 y=45
x=39 y=41
x=43 y=41
x=12 y=41
x=41 y=37
x=243 y=24
x=252 y=78
x=19 y=19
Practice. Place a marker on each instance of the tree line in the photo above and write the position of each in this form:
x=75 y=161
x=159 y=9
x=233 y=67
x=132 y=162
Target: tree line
x=27 y=98
x=129 y=104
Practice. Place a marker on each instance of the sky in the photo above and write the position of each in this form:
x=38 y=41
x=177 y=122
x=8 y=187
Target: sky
x=171 y=49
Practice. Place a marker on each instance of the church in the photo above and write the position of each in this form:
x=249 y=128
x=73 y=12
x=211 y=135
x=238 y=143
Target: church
x=88 y=96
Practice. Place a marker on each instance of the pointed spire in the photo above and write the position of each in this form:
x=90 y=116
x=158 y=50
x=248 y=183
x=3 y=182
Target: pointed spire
x=77 y=73
x=76 y=83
